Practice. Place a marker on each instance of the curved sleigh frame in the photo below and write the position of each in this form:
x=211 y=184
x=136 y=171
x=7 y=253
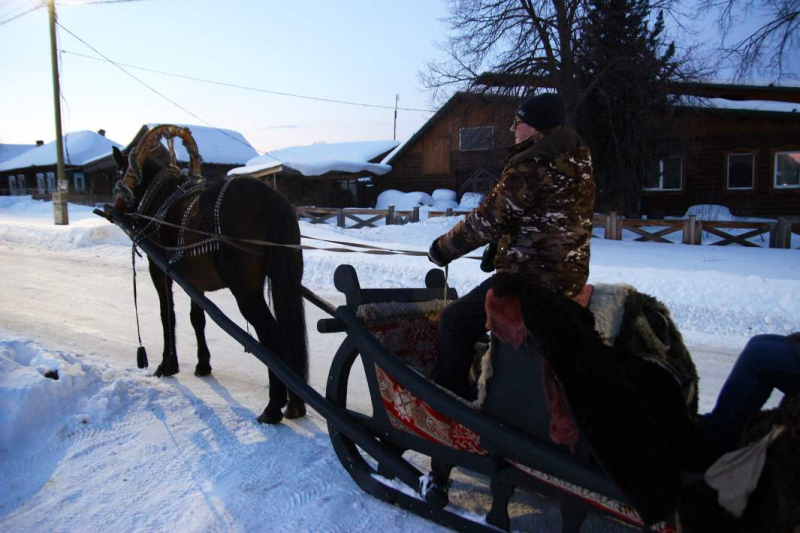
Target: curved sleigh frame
x=511 y=429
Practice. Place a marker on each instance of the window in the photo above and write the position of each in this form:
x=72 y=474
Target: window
x=40 y=185
x=476 y=138
x=667 y=175
x=78 y=182
x=12 y=184
x=51 y=181
x=787 y=170
x=21 y=183
x=741 y=171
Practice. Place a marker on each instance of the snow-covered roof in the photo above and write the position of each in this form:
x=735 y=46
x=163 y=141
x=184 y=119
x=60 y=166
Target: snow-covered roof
x=79 y=148
x=319 y=159
x=216 y=145
x=10 y=151
x=754 y=105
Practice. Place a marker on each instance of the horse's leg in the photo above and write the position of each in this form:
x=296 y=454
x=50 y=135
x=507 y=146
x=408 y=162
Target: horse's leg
x=169 y=357
x=198 y=317
x=255 y=310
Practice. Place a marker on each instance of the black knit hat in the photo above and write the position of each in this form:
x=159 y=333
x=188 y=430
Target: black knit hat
x=543 y=111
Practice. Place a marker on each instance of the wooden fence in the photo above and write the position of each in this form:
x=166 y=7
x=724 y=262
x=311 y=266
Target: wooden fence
x=776 y=234
x=367 y=218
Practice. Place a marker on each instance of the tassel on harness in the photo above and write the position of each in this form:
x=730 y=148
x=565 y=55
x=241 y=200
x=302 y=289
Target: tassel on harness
x=141 y=353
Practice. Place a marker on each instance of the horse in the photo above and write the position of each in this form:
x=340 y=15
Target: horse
x=171 y=208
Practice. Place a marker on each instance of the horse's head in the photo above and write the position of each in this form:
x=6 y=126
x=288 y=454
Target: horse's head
x=131 y=171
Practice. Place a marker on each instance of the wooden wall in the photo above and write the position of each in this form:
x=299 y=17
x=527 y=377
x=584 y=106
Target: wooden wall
x=708 y=137
x=435 y=160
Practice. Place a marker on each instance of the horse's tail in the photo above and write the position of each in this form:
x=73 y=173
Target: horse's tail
x=287 y=299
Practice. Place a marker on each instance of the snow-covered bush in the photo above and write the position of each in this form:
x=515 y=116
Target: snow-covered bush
x=403 y=201
x=710 y=212
x=444 y=194
x=471 y=200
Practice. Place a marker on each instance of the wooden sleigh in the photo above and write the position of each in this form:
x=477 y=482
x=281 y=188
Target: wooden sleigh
x=506 y=439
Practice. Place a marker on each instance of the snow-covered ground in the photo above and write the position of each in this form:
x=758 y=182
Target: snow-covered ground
x=108 y=447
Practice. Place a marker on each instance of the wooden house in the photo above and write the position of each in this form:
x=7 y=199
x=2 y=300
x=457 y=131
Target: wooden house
x=461 y=148
x=740 y=149
x=742 y=153
x=34 y=170
x=220 y=149
x=323 y=175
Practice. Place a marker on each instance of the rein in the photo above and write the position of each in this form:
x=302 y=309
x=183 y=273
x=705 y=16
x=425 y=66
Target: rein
x=233 y=241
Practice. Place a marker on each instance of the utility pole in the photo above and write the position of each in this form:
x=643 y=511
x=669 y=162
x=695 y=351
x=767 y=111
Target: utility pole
x=396 y=99
x=60 y=194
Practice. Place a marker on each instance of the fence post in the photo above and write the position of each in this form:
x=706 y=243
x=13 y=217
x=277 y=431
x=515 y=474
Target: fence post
x=340 y=217
x=780 y=234
x=415 y=214
x=449 y=212
x=390 y=216
x=691 y=235
x=610 y=230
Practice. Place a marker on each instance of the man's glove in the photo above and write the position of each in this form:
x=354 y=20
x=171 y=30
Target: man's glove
x=435 y=255
x=487 y=261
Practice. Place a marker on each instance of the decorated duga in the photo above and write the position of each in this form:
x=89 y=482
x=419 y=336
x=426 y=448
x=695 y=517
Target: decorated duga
x=590 y=400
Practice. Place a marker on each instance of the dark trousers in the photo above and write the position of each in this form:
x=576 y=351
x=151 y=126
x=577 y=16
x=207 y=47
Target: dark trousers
x=767 y=362
x=463 y=323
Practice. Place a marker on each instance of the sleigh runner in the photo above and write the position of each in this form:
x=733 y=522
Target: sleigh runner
x=509 y=445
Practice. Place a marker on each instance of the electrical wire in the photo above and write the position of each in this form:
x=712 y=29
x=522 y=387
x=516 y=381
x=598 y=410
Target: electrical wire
x=256 y=89
x=15 y=17
x=173 y=102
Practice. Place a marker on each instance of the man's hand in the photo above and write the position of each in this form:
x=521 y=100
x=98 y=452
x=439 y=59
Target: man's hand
x=435 y=255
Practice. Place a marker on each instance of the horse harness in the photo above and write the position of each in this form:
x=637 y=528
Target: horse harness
x=189 y=189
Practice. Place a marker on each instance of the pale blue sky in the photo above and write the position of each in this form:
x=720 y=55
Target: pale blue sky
x=359 y=51
x=353 y=50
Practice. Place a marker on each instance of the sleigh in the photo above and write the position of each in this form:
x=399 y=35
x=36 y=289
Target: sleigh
x=506 y=438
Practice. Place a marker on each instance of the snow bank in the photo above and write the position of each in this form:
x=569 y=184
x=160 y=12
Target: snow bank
x=43 y=393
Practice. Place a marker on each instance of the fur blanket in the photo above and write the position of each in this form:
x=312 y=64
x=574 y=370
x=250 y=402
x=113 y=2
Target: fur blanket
x=628 y=396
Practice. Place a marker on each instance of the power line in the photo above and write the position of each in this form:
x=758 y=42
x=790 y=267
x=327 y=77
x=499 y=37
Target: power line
x=256 y=89
x=173 y=102
x=15 y=17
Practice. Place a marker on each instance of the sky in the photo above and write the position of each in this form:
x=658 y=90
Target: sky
x=356 y=51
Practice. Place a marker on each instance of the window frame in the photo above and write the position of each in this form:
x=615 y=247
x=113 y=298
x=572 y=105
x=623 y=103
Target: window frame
x=660 y=187
x=461 y=139
x=728 y=156
x=51 y=181
x=41 y=183
x=76 y=178
x=775 y=184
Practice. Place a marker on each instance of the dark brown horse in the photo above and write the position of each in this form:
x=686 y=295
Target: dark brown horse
x=154 y=192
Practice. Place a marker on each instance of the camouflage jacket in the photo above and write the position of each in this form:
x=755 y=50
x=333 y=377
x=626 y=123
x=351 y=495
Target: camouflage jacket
x=539 y=214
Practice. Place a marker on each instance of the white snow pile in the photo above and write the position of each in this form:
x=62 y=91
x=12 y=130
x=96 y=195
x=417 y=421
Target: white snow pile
x=30 y=223
x=320 y=159
x=440 y=200
x=710 y=212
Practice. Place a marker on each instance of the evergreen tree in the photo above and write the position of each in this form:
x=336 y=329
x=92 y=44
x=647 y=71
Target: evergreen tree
x=624 y=69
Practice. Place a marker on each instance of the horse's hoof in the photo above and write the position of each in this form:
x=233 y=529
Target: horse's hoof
x=166 y=371
x=202 y=371
x=297 y=410
x=270 y=417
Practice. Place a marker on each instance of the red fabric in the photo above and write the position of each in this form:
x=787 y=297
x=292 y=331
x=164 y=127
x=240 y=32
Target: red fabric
x=504 y=320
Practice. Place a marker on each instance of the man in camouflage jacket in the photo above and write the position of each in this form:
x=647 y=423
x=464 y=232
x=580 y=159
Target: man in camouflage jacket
x=539 y=217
